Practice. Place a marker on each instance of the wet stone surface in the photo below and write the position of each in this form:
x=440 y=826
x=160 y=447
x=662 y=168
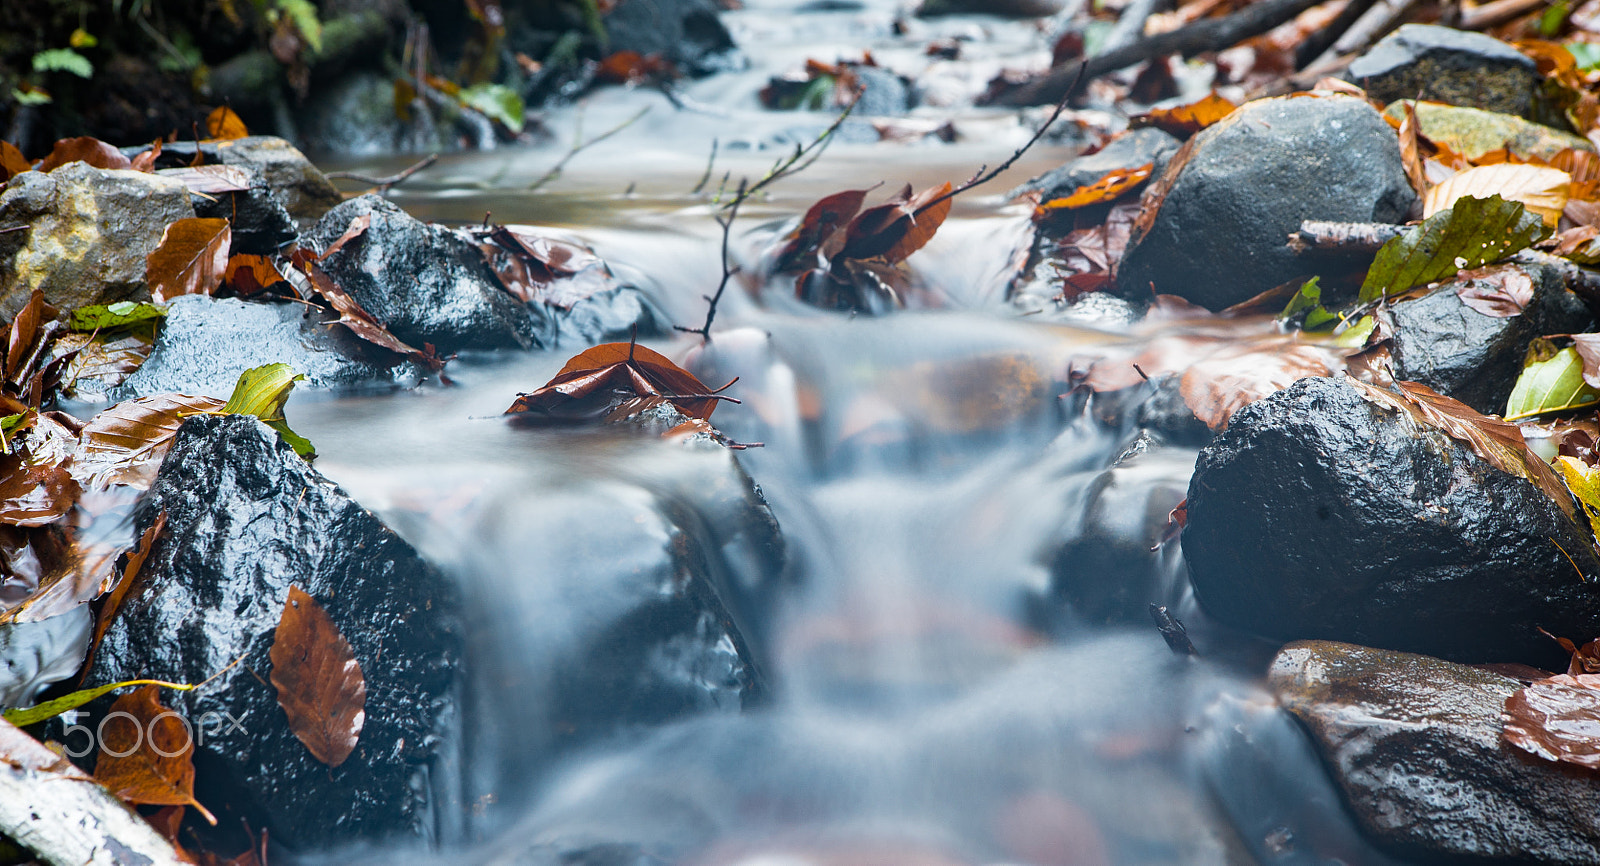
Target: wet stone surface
x=1415 y=745
x=301 y=187
x=247 y=518
x=1317 y=514
x=1219 y=235
x=1147 y=145
x=1442 y=64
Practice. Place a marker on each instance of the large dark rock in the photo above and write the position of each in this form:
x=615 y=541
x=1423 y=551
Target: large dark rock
x=686 y=32
x=1473 y=357
x=1415 y=745
x=246 y=519
x=260 y=222
x=205 y=343
x=426 y=283
x=1219 y=236
x=1318 y=514
x=90 y=231
x=1146 y=145
x=1442 y=64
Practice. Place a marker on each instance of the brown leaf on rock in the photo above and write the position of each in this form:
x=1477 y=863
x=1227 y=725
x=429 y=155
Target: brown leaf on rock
x=361 y=323
x=1108 y=188
x=631 y=67
x=249 y=274
x=23 y=332
x=12 y=162
x=87 y=149
x=1557 y=719
x=1500 y=291
x=1227 y=381
x=319 y=682
x=147 y=753
x=1186 y=120
x=146 y=162
x=124 y=585
x=358 y=227
x=546 y=270
x=821 y=220
x=126 y=443
x=34 y=494
x=1156 y=193
x=190 y=260
x=223 y=124
x=594 y=380
x=1496 y=441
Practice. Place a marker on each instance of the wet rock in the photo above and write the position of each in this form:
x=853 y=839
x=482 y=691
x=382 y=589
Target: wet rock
x=1001 y=9
x=261 y=224
x=1317 y=514
x=883 y=92
x=33 y=655
x=686 y=32
x=355 y=116
x=1443 y=64
x=426 y=283
x=1415 y=745
x=304 y=191
x=1473 y=357
x=1147 y=145
x=205 y=343
x=1218 y=237
x=246 y=519
x=91 y=230
x=1472 y=132
x=1112 y=568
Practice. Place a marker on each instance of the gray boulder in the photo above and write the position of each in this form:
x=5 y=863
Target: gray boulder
x=90 y=231
x=1415 y=746
x=1219 y=236
x=1318 y=514
x=1442 y=64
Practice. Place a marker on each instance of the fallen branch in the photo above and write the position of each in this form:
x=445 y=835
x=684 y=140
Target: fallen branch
x=1318 y=236
x=1498 y=12
x=384 y=183
x=728 y=268
x=579 y=146
x=1372 y=24
x=1130 y=24
x=1211 y=34
x=1318 y=43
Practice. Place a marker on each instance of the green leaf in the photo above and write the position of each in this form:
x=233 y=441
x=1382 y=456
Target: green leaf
x=1355 y=336
x=52 y=708
x=99 y=317
x=1586 y=53
x=8 y=426
x=1309 y=297
x=304 y=16
x=63 y=60
x=262 y=391
x=82 y=38
x=1473 y=232
x=31 y=97
x=497 y=102
x=1550 y=385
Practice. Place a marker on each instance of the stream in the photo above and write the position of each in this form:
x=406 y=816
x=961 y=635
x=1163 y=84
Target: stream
x=925 y=692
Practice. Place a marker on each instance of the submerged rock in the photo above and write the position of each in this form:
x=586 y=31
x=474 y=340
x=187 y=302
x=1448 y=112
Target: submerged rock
x=1471 y=356
x=1218 y=237
x=1147 y=145
x=1415 y=745
x=90 y=231
x=1318 y=514
x=1442 y=64
x=205 y=343
x=246 y=519
x=426 y=283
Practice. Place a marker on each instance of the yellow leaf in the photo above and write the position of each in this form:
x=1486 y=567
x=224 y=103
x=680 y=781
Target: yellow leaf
x=1541 y=189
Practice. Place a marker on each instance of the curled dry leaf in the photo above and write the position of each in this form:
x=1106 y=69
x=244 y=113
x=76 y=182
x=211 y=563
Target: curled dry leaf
x=1496 y=441
x=1557 y=719
x=539 y=269
x=1186 y=120
x=1108 y=188
x=146 y=162
x=319 y=682
x=361 y=323
x=86 y=149
x=1542 y=190
x=897 y=228
x=147 y=753
x=358 y=226
x=190 y=260
x=12 y=162
x=820 y=222
x=1500 y=291
x=223 y=124
x=595 y=380
x=1411 y=151
x=249 y=274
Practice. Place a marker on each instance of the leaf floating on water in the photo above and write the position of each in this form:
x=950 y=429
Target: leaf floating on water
x=262 y=391
x=24 y=716
x=147 y=756
x=1557 y=719
x=1497 y=441
x=1551 y=384
x=1500 y=291
x=101 y=317
x=319 y=682
x=595 y=380
x=1541 y=189
x=190 y=259
x=224 y=125
x=1473 y=232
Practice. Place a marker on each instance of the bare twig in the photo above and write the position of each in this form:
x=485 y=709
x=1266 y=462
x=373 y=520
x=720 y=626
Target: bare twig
x=1372 y=24
x=1336 y=237
x=1172 y=631
x=982 y=177
x=728 y=268
x=1316 y=44
x=18 y=228
x=579 y=146
x=1498 y=12
x=383 y=183
x=711 y=161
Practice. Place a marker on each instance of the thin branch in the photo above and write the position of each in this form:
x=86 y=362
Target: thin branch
x=18 y=228
x=383 y=183
x=580 y=146
x=982 y=177
x=728 y=269
x=801 y=159
x=711 y=161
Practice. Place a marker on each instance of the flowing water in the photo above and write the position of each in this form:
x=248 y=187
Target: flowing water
x=927 y=695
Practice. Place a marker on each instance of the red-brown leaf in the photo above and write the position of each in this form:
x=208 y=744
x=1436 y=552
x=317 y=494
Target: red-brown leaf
x=190 y=260
x=124 y=585
x=250 y=274
x=147 y=756
x=319 y=682
x=587 y=386
x=358 y=227
x=34 y=494
x=1557 y=719
x=126 y=443
x=922 y=220
x=225 y=125
x=361 y=323
x=90 y=150
x=820 y=222
x=12 y=162
x=146 y=162
x=894 y=230
x=23 y=332
x=1500 y=291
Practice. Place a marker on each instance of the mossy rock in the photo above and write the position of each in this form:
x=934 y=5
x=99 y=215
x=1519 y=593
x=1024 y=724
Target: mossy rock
x=1473 y=132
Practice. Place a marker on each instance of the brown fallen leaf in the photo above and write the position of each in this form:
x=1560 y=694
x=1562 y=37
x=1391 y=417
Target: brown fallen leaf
x=358 y=227
x=1108 y=188
x=87 y=149
x=1500 y=291
x=361 y=323
x=23 y=333
x=319 y=682
x=146 y=162
x=1217 y=386
x=12 y=162
x=124 y=585
x=1557 y=719
x=224 y=125
x=1186 y=120
x=1411 y=151
x=595 y=380
x=34 y=494
x=249 y=274
x=126 y=443
x=190 y=260
x=897 y=228
x=1542 y=190
x=147 y=753
x=821 y=221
